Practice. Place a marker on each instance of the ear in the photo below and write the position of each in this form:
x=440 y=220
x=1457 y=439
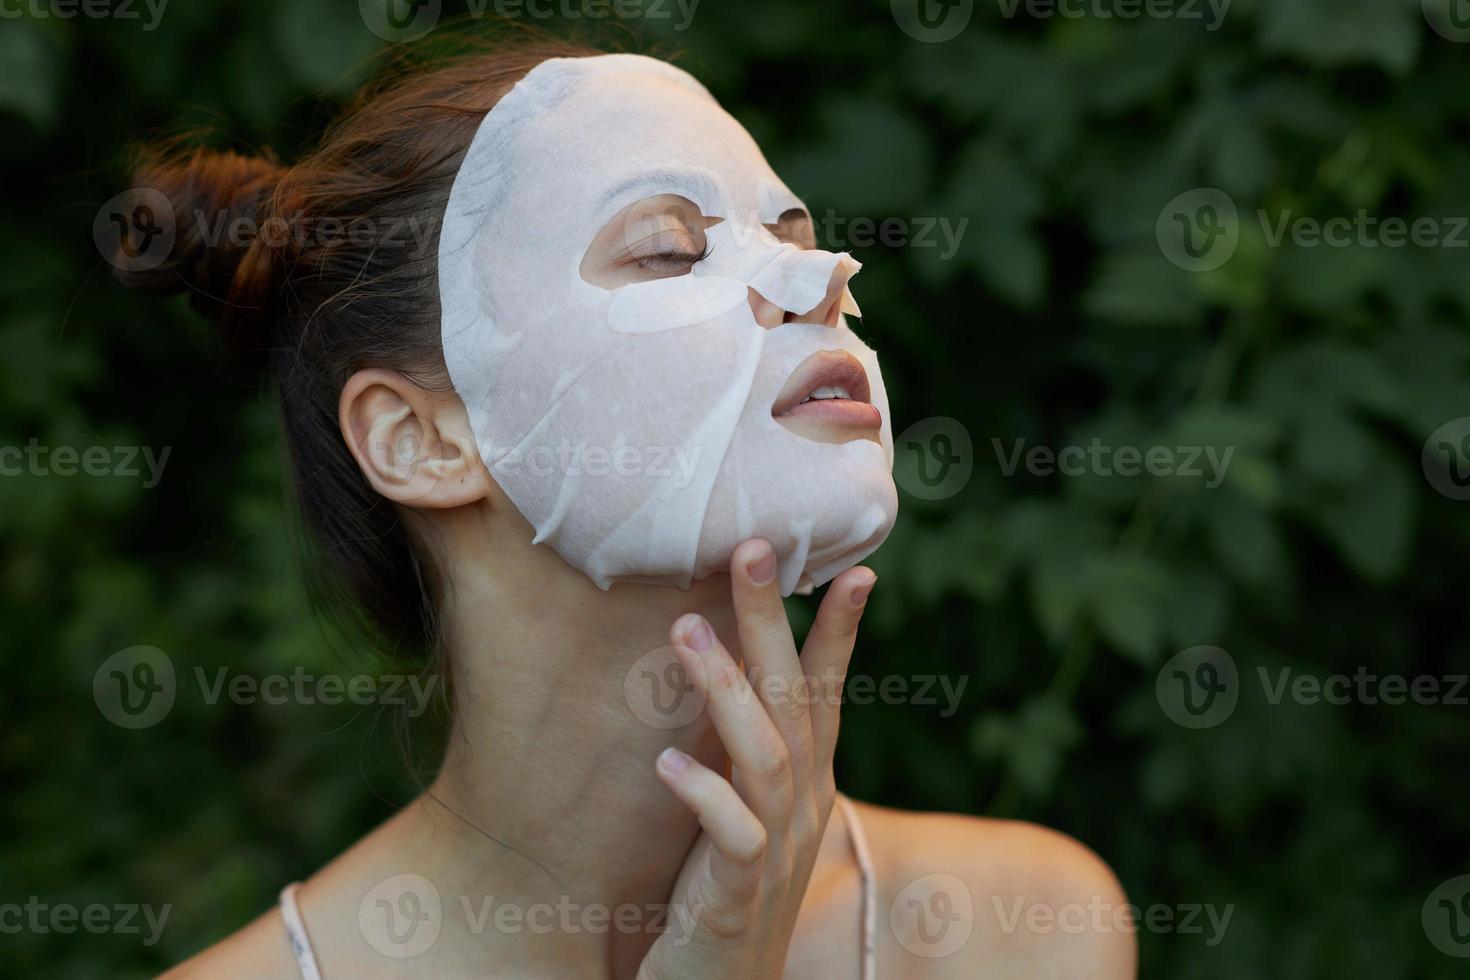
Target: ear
x=414 y=446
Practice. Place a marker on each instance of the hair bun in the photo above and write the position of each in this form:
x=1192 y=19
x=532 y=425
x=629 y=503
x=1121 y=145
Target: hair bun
x=221 y=251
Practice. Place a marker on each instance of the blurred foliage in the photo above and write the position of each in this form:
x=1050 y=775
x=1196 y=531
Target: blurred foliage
x=1057 y=320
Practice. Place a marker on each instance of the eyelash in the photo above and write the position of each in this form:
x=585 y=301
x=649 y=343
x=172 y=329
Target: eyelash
x=671 y=261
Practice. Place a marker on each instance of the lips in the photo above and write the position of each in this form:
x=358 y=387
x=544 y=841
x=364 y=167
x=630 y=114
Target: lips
x=829 y=386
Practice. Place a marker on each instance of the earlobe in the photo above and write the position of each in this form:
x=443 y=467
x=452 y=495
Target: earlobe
x=414 y=446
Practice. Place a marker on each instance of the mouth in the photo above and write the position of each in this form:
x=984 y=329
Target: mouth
x=829 y=390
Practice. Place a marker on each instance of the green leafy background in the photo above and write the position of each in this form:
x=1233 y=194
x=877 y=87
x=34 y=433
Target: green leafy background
x=1058 y=320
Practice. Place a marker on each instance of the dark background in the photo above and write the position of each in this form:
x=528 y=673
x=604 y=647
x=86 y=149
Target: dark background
x=1060 y=318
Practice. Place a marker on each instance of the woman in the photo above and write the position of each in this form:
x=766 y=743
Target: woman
x=584 y=440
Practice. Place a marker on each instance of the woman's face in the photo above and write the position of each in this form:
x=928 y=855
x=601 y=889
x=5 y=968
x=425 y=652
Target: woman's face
x=650 y=347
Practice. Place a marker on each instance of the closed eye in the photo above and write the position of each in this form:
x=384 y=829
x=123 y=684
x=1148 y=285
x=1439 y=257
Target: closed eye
x=669 y=262
x=657 y=237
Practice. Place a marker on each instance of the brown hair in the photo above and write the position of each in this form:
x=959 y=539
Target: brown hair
x=327 y=282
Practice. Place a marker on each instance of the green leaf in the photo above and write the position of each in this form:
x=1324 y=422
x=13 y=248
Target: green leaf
x=999 y=196
x=1126 y=598
x=1057 y=591
x=324 y=44
x=1247 y=542
x=1032 y=743
x=30 y=84
x=897 y=162
x=1141 y=288
x=1370 y=521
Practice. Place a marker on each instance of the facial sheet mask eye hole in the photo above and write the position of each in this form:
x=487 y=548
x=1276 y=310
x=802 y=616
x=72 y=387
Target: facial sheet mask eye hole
x=795 y=226
x=658 y=237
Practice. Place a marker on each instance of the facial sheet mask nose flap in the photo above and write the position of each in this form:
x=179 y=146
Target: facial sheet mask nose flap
x=798 y=281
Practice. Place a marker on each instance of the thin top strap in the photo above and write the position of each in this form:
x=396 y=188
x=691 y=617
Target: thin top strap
x=296 y=932
x=870 y=887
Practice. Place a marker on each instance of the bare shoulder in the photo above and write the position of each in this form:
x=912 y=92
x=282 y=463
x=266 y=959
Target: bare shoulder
x=962 y=896
x=259 y=950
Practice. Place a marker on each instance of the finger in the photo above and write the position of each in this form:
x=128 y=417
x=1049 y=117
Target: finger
x=769 y=650
x=738 y=837
x=828 y=650
x=762 y=761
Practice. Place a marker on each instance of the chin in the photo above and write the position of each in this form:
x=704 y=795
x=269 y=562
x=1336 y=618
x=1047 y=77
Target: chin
x=821 y=521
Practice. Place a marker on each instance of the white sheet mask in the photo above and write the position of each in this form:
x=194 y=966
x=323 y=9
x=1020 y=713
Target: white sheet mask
x=632 y=426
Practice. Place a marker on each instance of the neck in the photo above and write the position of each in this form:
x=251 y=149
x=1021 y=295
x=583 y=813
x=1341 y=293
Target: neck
x=564 y=695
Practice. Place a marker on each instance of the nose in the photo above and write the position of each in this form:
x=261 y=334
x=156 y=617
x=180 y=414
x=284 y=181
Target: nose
x=826 y=313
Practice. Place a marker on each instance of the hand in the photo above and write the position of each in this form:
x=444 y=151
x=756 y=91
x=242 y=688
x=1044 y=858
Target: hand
x=737 y=896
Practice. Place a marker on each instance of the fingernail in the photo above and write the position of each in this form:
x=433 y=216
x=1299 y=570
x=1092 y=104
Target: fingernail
x=672 y=760
x=761 y=570
x=860 y=592
x=699 y=636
